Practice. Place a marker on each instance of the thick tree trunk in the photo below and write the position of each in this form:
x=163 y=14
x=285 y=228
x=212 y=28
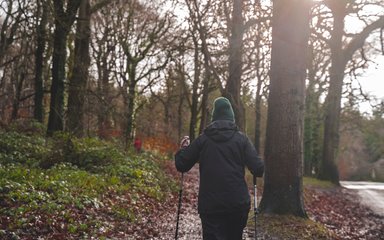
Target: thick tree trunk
x=39 y=63
x=63 y=23
x=55 y=120
x=233 y=87
x=79 y=77
x=328 y=168
x=284 y=145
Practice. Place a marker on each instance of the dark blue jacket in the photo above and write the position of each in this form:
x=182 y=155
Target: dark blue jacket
x=223 y=152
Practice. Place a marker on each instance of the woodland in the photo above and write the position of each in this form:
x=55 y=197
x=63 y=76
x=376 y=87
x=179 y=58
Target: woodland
x=80 y=80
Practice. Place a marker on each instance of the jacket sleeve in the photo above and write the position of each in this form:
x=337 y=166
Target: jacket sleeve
x=252 y=160
x=187 y=157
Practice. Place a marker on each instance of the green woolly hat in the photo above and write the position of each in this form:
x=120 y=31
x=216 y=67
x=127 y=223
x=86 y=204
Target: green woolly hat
x=222 y=110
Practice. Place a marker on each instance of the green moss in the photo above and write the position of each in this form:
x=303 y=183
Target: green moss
x=313 y=182
x=291 y=227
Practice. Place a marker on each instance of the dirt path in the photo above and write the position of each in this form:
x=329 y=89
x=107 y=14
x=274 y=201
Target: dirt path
x=336 y=208
x=371 y=194
x=189 y=223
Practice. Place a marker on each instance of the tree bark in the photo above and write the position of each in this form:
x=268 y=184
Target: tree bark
x=328 y=168
x=284 y=144
x=233 y=87
x=55 y=120
x=20 y=77
x=195 y=95
x=63 y=23
x=79 y=76
x=130 y=110
x=258 y=116
x=39 y=61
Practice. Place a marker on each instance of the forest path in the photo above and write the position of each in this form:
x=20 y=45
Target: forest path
x=371 y=194
x=337 y=208
x=189 y=223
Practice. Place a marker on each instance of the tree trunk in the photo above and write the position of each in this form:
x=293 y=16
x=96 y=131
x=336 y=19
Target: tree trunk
x=195 y=96
x=55 y=120
x=79 y=76
x=20 y=77
x=258 y=115
x=310 y=116
x=284 y=144
x=103 y=109
x=232 y=91
x=205 y=117
x=39 y=62
x=258 y=99
x=180 y=115
x=63 y=23
x=204 y=106
x=130 y=108
x=328 y=168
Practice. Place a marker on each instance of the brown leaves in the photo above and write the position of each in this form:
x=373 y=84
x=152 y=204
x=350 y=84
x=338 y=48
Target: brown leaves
x=341 y=213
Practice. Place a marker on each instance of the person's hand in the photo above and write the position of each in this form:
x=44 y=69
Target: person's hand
x=184 y=142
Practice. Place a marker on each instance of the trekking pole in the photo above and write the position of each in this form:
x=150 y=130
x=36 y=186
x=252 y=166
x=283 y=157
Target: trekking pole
x=179 y=206
x=255 y=203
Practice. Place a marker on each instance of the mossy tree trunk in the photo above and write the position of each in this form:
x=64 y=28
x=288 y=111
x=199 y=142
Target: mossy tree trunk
x=79 y=76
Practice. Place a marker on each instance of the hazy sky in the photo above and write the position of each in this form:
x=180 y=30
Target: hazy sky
x=372 y=81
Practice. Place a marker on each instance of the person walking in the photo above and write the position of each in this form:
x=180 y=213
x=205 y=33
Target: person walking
x=223 y=152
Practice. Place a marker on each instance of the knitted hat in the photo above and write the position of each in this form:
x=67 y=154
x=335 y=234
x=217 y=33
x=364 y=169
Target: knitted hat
x=222 y=110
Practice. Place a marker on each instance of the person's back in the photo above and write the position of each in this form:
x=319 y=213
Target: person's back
x=223 y=152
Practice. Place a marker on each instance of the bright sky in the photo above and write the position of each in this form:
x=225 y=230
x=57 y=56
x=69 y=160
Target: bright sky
x=372 y=81
x=373 y=78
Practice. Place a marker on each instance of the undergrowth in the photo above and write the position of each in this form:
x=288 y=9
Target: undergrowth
x=58 y=178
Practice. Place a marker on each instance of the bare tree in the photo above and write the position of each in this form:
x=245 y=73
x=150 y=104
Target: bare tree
x=341 y=54
x=140 y=32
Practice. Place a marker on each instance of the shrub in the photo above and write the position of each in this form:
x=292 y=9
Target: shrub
x=23 y=149
x=86 y=153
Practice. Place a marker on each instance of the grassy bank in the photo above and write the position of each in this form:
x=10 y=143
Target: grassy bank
x=69 y=187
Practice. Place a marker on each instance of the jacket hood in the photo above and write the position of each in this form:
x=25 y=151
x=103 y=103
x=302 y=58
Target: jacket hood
x=221 y=130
